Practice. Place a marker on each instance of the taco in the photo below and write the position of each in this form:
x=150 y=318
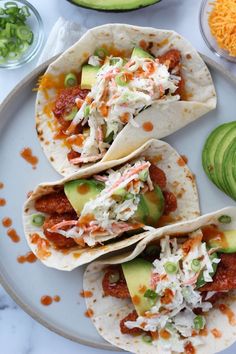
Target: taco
x=109 y=206
x=105 y=96
x=174 y=293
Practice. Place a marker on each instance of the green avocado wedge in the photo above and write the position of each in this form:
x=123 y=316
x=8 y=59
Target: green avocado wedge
x=113 y=5
x=218 y=157
x=138 y=278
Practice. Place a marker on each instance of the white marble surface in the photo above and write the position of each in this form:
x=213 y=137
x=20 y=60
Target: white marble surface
x=19 y=334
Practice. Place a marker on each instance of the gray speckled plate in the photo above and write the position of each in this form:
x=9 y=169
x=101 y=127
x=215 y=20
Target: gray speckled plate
x=26 y=283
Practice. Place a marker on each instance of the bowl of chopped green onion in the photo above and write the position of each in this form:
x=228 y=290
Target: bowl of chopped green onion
x=21 y=33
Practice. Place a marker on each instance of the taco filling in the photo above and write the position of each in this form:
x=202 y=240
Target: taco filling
x=87 y=212
x=91 y=111
x=180 y=279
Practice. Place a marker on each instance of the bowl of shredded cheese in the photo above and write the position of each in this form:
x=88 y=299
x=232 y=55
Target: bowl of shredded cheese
x=218 y=27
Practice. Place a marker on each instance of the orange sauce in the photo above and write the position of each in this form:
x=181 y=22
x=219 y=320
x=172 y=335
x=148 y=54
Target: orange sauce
x=86 y=293
x=46 y=300
x=56 y=298
x=136 y=300
x=76 y=255
x=203 y=332
x=182 y=160
x=6 y=222
x=167 y=297
x=86 y=218
x=147 y=126
x=216 y=333
x=125 y=118
x=13 y=235
x=229 y=313
x=143 y=44
x=165 y=220
x=75 y=140
x=89 y=313
x=154 y=335
x=155 y=159
x=2 y=202
x=164 y=334
x=1 y=185
x=189 y=349
x=47 y=109
x=163 y=42
x=28 y=257
x=83 y=188
x=60 y=135
x=191 y=243
x=142 y=289
x=210 y=232
x=27 y=155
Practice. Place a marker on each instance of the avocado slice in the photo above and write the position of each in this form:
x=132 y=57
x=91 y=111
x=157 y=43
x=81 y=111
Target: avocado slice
x=220 y=155
x=226 y=243
x=209 y=150
x=113 y=5
x=80 y=191
x=151 y=207
x=88 y=76
x=140 y=53
x=229 y=169
x=138 y=278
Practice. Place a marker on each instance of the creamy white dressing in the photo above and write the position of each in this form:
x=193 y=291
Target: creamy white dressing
x=176 y=315
x=122 y=102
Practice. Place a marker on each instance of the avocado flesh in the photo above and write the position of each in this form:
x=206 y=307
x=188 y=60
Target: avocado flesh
x=226 y=243
x=220 y=155
x=209 y=151
x=140 y=53
x=151 y=207
x=80 y=191
x=88 y=76
x=138 y=278
x=114 y=5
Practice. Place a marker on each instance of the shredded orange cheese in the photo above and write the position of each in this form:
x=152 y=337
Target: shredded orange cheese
x=222 y=22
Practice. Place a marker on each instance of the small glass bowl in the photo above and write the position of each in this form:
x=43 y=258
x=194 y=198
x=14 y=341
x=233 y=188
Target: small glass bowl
x=206 y=8
x=36 y=24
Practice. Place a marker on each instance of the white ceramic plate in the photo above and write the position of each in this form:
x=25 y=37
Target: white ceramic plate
x=26 y=283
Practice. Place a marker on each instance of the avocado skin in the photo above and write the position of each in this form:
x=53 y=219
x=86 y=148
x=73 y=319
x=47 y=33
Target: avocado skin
x=138 y=275
x=115 y=10
x=216 y=162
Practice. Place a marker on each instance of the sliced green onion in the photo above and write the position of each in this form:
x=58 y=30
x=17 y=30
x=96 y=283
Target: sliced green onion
x=196 y=265
x=115 y=61
x=171 y=267
x=72 y=114
x=143 y=175
x=199 y=322
x=23 y=46
x=121 y=79
x=86 y=111
x=150 y=294
x=129 y=196
x=70 y=80
x=101 y=53
x=38 y=219
x=24 y=33
x=10 y=4
x=146 y=338
x=225 y=219
x=121 y=192
x=114 y=277
x=25 y=11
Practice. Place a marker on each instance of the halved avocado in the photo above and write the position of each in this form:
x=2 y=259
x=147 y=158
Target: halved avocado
x=113 y=5
x=138 y=278
x=229 y=169
x=226 y=243
x=80 y=191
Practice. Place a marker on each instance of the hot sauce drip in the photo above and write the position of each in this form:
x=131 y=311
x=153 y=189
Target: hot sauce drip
x=86 y=293
x=47 y=300
x=6 y=222
x=13 y=235
x=2 y=202
x=147 y=126
x=182 y=160
x=1 y=185
x=89 y=313
x=28 y=156
x=229 y=313
x=216 y=333
x=28 y=257
x=189 y=349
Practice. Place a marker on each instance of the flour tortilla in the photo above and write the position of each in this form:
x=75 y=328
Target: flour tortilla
x=165 y=117
x=108 y=311
x=180 y=181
